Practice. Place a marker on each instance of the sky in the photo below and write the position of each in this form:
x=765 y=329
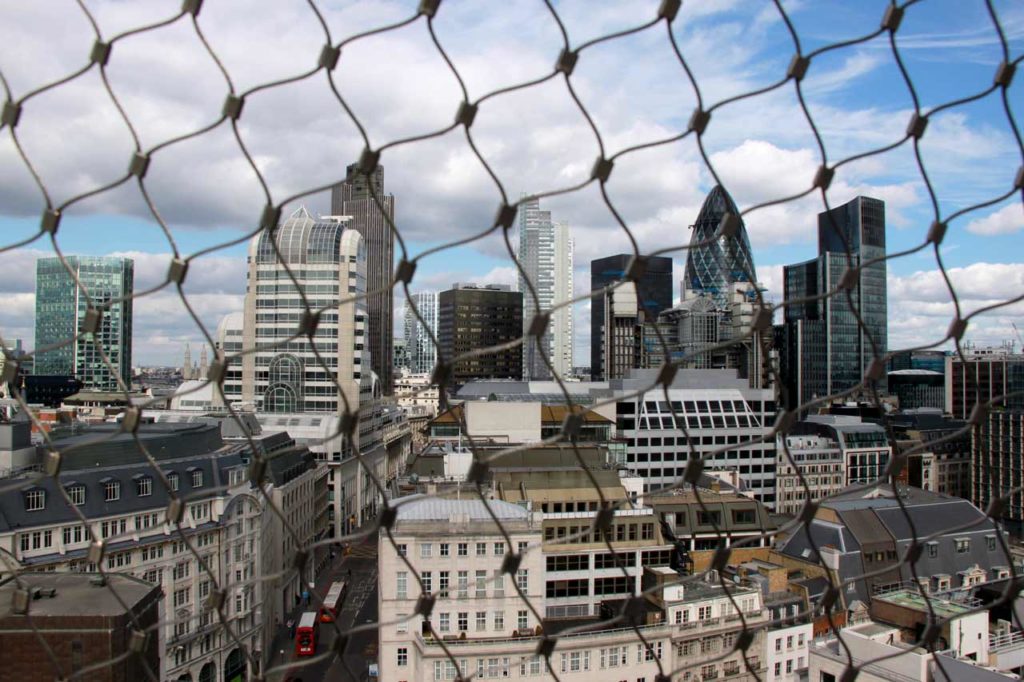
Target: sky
x=535 y=139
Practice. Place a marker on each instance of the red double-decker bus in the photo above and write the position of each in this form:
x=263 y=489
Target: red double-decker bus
x=306 y=634
x=333 y=601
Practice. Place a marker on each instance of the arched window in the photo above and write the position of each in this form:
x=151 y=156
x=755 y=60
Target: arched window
x=284 y=388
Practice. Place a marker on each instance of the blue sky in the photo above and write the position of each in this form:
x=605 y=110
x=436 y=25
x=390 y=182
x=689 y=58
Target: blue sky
x=535 y=139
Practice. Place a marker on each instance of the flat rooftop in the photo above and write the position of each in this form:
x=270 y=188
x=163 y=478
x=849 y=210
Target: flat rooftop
x=910 y=599
x=76 y=595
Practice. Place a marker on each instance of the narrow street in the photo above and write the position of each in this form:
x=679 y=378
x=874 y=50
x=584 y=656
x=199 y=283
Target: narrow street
x=359 y=608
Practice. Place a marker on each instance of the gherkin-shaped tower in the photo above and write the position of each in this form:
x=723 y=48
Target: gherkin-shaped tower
x=712 y=266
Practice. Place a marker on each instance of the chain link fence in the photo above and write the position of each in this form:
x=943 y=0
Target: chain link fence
x=663 y=21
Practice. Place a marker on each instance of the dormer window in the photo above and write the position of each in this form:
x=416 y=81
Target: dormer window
x=197 y=478
x=35 y=499
x=111 y=490
x=76 y=491
x=173 y=480
x=144 y=486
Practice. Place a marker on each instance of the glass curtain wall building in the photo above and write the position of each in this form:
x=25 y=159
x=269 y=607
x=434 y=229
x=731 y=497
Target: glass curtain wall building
x=546 y=257
x=712 y=264
x=824 y=347
x=421 y=351
x=60 y=310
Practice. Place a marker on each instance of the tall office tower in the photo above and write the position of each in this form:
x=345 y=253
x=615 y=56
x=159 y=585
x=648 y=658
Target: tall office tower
x=420 y=349
x=989 y=373
x=654 y=295
x=353 y=198
x=825 y=350
x=471 y=317
x=328 y=261
x=623 y=336
x=61 y=309
x=713 y=264
x=546 y=255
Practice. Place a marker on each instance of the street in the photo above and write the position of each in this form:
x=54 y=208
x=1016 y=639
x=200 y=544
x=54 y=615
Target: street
x=359 y=608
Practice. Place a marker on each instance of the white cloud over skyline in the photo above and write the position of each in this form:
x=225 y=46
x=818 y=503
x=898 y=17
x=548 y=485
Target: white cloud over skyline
x=634 y=89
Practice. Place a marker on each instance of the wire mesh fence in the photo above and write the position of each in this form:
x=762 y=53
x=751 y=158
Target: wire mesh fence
x=226 y=618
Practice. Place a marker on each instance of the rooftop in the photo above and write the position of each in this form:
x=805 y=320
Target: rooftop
x=424 y=508
x=76 y=595
x=915 y=601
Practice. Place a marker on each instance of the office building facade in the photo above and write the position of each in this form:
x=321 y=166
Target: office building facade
x=328 y=261
x=472 y=317
x=61 y=308
x=419 y=346
x=825 y=349
x=987 y=374
x=654 y=295
x=996 y=462
x=372 y=215
x=546 y=256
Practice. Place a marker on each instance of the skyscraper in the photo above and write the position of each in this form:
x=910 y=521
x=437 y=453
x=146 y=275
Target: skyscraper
x=654 y=295
x=546 y=254
x=713 y=264
x=61 y=311
x=353 y=198
x=824 y=349
x=328 y=261
x=471 y=317
x=421 y=350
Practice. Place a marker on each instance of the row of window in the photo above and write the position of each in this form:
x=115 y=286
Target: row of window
x=622 y=532
x=460 y=549
x=35 y=499
x=461 y=589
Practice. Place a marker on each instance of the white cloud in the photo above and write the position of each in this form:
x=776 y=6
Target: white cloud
x=1007 y=220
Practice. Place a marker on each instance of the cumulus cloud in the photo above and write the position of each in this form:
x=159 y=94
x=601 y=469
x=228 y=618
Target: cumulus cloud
x=397 y=84
x=1007 y=220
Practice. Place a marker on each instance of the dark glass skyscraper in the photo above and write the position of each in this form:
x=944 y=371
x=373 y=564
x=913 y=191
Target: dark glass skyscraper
x=353 y=198
x=654 y=294
x=471 y=317
x=824 y=349
x=61 y=308
x=713 y=264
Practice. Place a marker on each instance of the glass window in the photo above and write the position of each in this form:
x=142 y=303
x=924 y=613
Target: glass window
x=197 y=479
x=112 y=491
x=77 y=494
x=35 y=500
x=144 y=486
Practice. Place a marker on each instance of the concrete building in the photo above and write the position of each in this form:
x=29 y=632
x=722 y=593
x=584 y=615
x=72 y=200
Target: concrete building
x=708 y=411
x=420 y=348
x=943 y=459
x=988 y=373
x=996 y=463
x=622 y=332
x=809 y=467
x=415 y=390
x=545 y=255
x=224 y=520
x=886 y=652
x=655 y=295
x=370 y=212
x=328 y=261
x=64 y=311
x=87 y=626
x=455 y=552
x=864 y=445
x=471 y=318
x=696 y=521
x=824 y=348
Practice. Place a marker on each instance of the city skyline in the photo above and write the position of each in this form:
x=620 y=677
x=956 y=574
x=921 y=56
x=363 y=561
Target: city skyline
x=757 y=160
